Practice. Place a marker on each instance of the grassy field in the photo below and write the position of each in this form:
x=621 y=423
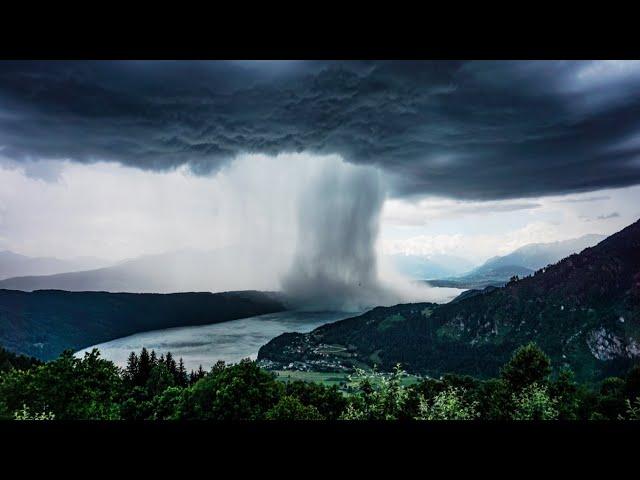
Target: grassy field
x=342 y=380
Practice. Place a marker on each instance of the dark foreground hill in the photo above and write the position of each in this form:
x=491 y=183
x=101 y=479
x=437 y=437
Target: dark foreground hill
x=583 y=311
x=46 y=322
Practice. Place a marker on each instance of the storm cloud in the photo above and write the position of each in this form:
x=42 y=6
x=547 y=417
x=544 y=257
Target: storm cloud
x=471 y=130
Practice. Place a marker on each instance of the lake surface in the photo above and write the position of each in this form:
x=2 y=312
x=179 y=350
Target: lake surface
x=229 y=341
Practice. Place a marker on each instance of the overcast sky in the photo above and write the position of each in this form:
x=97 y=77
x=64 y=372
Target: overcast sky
x=118 y=159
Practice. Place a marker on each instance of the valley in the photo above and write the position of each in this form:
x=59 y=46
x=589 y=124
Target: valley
x=314 y=239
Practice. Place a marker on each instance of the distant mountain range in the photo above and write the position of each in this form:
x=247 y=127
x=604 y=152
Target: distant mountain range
x=239 y=268
x=185 y=270
x=46 y=322
x=521 y=262
x=13 y=265
x=422 y=267
x=196 y=270
x=584 y=311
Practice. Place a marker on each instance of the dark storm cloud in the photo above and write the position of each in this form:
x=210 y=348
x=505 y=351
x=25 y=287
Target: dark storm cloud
x=480 y=130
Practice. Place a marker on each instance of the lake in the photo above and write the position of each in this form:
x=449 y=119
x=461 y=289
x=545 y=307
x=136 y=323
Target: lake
x=229 y=341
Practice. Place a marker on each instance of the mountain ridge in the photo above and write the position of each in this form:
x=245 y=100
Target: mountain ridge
x=185 y=270
x=521 y=262
x=537 y=255
x=14 y=264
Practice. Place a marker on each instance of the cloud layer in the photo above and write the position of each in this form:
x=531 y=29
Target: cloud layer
x=472 y=130
x=480 y=230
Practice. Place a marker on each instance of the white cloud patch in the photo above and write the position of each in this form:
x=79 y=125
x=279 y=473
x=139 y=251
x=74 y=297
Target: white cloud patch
x=421 y=212
x=480 y=230
x=475 y=247
x=600 y=73
x=118 y=212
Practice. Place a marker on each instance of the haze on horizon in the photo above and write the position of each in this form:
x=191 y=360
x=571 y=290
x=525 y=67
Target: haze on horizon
x=315 y=171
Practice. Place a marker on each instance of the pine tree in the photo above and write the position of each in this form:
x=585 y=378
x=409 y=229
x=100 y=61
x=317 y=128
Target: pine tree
x=182 y=379
x=171 y=366
x=144 y=368
x=131 y=371
x=196 y=375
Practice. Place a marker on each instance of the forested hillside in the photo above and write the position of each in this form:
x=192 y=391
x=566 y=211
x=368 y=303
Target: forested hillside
x=46 y=322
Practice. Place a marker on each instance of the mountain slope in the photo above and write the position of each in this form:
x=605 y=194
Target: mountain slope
x=45 y=322
x=583 y=311
x=13 y=264
x=538 y=255
x=521 y=262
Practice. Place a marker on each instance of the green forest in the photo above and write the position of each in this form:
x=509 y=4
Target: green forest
x=153 y=387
